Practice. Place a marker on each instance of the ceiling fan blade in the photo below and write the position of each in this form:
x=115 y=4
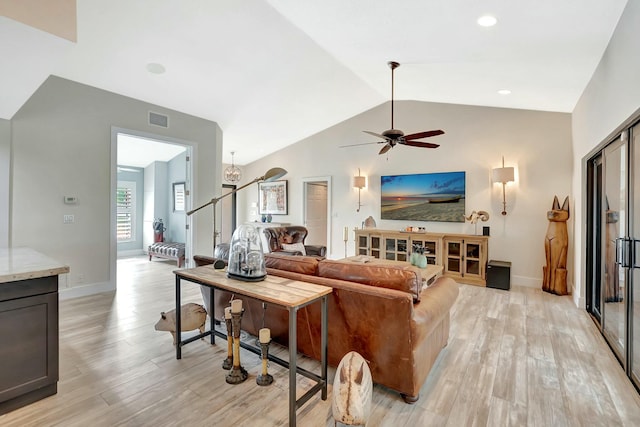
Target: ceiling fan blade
x=377 y=135
x=385 y=148
x=420 y=144
x=426 y=134
x=362 y=143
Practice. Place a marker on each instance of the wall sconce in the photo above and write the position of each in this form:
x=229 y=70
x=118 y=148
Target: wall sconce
x=359 y=182
x=503 y=176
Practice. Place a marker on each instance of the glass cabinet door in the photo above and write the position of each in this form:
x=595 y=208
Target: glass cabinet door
x=396 y=248
x=390 y=248
x=363 y=245
x=472 y=260
x=430 y=248
x=375 y=246
x=402 y=249
x=454 y=252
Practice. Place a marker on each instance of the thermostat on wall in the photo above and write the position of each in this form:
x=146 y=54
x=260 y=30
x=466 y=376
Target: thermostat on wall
x=70 y=200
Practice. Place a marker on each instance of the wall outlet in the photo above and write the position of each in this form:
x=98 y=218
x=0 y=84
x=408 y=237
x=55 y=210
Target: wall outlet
x=68 y=219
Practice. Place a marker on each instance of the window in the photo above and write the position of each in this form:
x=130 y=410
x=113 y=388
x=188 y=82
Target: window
x=125 y=211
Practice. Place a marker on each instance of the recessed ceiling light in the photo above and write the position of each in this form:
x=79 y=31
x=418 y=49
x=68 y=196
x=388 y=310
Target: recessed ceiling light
x=504 y=91
x=155 y=68
x=487 y=21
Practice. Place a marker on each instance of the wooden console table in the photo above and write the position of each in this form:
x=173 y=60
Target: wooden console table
x=286 y=293
x=463 y=256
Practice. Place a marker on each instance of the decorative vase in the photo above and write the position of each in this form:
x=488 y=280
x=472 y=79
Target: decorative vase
x=269 y=218
x=414 y=256
x=264 y=218
x=421 y=260
x=369 y=223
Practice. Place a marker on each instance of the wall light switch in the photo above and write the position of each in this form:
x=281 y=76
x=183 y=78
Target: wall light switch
x=69 y=219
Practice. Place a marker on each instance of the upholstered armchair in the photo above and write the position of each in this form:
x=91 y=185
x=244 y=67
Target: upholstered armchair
x=290 y=241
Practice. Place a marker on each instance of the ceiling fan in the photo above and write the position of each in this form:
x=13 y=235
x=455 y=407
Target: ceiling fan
x=394 y=136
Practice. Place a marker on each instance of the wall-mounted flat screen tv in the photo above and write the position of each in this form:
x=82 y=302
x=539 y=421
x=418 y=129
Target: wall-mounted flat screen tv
x=423 y=197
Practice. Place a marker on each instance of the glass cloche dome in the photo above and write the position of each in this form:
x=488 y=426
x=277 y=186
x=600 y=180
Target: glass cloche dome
x=246 y=258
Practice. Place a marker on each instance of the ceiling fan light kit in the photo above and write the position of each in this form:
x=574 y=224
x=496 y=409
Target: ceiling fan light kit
x=392 y=137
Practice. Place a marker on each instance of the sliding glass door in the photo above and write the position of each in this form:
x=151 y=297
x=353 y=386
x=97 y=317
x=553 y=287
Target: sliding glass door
x=594 y=237
x=614 y=271
x=634 y=297
x=613 y=246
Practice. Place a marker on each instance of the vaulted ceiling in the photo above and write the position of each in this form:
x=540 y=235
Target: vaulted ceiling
x=273 y=72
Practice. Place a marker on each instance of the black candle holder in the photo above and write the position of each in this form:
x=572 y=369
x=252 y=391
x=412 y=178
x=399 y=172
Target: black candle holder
x=237 y=374
x=264 y=378
x=228 y=362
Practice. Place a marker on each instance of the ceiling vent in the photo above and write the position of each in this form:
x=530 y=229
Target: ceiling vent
x=158 y=119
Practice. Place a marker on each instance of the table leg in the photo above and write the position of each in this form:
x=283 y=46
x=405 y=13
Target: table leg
x=178 y=321
x=293 y=367
x=212 y=315
x=323 y=346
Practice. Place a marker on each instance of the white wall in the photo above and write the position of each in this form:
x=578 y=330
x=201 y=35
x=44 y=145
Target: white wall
x=5 y=168
x=537 y=143
x=155 y=200
x=176 y=220
x=612 y=96
x=61 y=145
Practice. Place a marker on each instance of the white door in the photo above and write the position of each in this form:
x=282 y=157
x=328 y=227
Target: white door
x=317 y=209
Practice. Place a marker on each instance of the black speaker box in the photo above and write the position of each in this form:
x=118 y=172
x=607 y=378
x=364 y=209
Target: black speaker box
x=499 y=275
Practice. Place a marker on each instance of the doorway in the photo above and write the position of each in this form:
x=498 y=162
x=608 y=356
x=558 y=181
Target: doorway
x=159 y=167
x=317 y=210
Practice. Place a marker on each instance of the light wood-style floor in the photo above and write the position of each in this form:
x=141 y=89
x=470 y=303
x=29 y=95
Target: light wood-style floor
x=515 y=358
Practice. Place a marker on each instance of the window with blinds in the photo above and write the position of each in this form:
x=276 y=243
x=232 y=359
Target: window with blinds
x=125 y=211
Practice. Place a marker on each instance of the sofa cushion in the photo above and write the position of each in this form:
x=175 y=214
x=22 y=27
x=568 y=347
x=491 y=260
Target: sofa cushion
x=399 y=277
x=294 y=247
x=296 y=264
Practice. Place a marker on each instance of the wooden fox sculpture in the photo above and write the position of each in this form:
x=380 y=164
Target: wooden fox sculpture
x=556 y=242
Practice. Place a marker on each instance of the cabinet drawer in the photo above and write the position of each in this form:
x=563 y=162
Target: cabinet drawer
x=27 y=288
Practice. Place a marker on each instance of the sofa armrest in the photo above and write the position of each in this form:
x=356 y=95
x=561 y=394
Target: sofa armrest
x=316 y=250
x=201 y=260
x=435 y=303
x=220 y=253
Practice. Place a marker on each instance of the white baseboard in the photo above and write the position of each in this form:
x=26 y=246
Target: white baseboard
x=85 y=290
x=532 y=282
x=527 y=282
x=579 y=301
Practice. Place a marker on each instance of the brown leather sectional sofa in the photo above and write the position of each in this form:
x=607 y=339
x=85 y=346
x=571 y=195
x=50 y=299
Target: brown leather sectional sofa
x=381 y=312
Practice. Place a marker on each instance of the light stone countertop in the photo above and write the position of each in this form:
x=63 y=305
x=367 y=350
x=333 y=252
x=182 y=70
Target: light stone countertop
x=25 y=263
